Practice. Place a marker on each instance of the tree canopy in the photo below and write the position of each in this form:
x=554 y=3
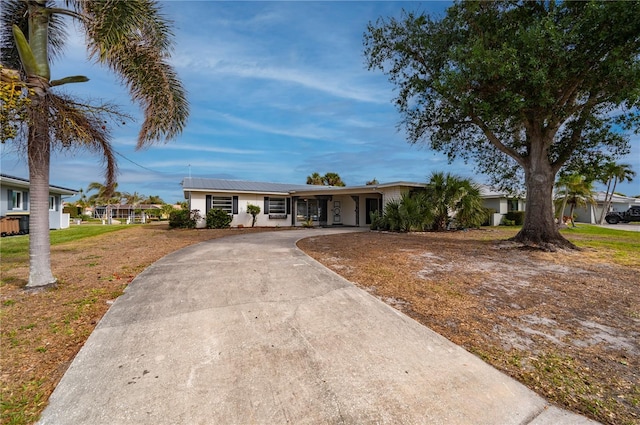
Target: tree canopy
x=523 y=88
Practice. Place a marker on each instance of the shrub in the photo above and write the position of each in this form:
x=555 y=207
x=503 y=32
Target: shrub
x=254 y=210
x=392 y=216
x=184 y=219
x=516 y=216
x=218 y=219
x=377 y=221
x=489 y=212
x=507 y=222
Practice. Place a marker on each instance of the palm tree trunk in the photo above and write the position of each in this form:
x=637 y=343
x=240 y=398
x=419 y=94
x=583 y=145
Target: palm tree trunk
x=39 y=152
x=562 y=208
x=605 y=205
x=613 y=190
x=573 y=223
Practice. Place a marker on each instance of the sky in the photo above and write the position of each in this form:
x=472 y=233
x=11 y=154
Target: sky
x=277 y=91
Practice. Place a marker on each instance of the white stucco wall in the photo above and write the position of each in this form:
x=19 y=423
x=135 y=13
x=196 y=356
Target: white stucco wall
x=499 y=205
x=198 y=201
x=57 y=219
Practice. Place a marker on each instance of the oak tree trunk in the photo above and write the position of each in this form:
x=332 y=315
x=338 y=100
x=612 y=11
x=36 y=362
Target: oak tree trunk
x=539 y=228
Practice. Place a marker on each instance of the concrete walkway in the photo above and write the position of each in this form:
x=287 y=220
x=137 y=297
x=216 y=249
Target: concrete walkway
x=249 y=330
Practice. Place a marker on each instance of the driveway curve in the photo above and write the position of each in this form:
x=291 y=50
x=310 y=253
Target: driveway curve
x=250 y=330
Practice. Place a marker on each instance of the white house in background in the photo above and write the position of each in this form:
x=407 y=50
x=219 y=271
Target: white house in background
x=591 y=213
x=287 y=205
x=14 y=201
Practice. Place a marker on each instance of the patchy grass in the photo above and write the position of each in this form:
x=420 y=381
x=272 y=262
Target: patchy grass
x=621 y=247
x=15 y=248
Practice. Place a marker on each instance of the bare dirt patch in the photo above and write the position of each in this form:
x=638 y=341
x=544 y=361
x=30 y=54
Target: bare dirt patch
x=566 y=324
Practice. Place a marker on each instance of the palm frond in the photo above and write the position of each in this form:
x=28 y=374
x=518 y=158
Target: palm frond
x=134 y=40
x=76 y=125
x=14 y=12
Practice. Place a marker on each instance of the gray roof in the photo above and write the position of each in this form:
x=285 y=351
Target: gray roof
x=21 y=182
x=224 y=185
x=197 y=183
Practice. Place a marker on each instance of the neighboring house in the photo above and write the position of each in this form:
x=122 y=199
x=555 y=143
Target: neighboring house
x=501 y=203
x=591 y=213
x=14 y=201
x=296 y=205
x=129 y=213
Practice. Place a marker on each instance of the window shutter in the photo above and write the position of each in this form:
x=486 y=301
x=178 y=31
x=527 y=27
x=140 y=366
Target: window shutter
x=207 y=206
x=288 y=206
x=266 y=205
x=235 y=205
x=9 y=199
x=25 y=201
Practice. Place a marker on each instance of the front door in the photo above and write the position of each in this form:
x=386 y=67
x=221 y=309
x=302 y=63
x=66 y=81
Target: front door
x=371 y=205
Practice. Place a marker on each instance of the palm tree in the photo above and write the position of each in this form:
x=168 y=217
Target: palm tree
x=104 y=195
x=329 y=179
x=132 y=198
x=414 y=212
x=332 y=179
x=167 y=209
x=574 y=190
x=449 y=195
x=614 y=173
x=315 y=179
x=153 y=199
x=82 y=203
x=133 y=39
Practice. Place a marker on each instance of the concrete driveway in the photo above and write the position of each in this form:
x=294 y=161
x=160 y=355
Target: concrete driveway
x=250 y=330
x=630 y=227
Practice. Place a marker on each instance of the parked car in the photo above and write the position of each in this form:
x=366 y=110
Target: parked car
x=632 y=214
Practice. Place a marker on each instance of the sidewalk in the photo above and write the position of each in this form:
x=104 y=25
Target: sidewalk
x=249 y=330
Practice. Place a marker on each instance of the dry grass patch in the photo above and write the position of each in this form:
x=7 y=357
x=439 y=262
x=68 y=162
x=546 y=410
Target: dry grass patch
x=42 y=332
x=566 y=324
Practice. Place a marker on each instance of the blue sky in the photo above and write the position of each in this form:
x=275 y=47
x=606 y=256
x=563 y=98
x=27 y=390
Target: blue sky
x=278 y=90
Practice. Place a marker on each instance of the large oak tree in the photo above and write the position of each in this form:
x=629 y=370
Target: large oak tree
x=521 y=87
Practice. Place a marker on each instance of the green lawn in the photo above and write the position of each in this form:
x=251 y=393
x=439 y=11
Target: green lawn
x=13 y=247
x=624 y=246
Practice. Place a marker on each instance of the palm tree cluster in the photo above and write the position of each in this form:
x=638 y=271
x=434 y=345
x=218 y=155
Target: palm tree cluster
x=614 y=173
x=133 y=39
x=577 y=190
x=574 y=190
x=329 y=179
x=102 y=196
x=445 y=200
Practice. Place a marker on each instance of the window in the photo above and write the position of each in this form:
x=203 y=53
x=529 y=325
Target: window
x=512 y=205
x=224 y=203
x=277 y=206
x=17 y=200
x=52 y=203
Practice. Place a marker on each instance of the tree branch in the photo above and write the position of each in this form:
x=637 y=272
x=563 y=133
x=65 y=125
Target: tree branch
x=495 y=141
